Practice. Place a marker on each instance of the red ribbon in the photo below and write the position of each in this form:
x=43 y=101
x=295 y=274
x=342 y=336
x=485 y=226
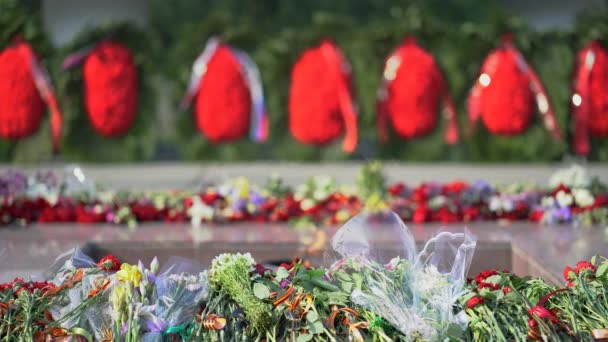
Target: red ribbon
x=43 y=84
x=337 y=65
x=580 y=110
x=451 y=134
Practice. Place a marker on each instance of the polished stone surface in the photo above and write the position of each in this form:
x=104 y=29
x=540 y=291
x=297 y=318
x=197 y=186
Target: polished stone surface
x=157 y=176
x=524 y=248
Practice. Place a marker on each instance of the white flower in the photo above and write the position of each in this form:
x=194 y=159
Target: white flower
x=320 y=194
x=564 y=199
x=498 y=204
x=437 y=201
x=199 y=211
x=495 y=203
x=307 y=204
x=575 y=176
x=547 y=202
x=583 y=197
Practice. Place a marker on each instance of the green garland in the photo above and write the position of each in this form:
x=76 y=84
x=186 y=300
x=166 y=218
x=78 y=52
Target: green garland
x=459 y=35
x=23 y=18
x=276 y=35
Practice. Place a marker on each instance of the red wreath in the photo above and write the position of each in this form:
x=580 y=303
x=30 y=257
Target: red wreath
x=110 y=88
x=411 y=92
x=223 y=102
x=590 y=98
x=320 y=99
x=507 y=92
x=24 y=90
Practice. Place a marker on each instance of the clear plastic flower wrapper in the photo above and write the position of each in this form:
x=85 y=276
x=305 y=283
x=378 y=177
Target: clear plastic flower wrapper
x=416 y=292
x=86 y=304
x=178 y=289
x=139 y=302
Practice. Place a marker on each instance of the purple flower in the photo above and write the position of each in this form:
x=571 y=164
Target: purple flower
x=561 y=215
x=256 y=199
x=12 y=182
x=239 y=205
x=154 y=324
x=284 y=283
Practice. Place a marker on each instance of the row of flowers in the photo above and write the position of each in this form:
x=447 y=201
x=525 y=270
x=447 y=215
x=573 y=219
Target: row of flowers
x=44 y=197
x=358 y=296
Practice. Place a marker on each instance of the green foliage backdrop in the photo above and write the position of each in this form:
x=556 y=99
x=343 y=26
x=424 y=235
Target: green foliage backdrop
x=274 y=32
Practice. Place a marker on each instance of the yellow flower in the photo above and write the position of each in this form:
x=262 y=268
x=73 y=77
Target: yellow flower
x=243 y=186
x=129 y=274
x=375 y=203
x=117 y=298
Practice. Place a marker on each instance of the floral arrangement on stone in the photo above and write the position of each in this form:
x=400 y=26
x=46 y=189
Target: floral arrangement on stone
x=363 y=293
x=571 y=197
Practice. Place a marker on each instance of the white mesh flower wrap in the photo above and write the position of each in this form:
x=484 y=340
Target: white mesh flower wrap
x=415 y=292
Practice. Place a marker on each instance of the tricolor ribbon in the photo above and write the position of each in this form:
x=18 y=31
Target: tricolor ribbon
x=580 y=98
x=251 y=73
x=45 y=88
x=76 y=58
x=487 y=71
x=199 y=67
x=394 y=61
x=259 y=116
x=340 y=70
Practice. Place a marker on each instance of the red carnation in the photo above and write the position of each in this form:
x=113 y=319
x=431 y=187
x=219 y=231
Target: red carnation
x=506 y=290
x=21 y=106
x=489 y=286
x=396 y=189
x=473 y=302
x=584 y=265
x=223 y=102
x=110 y=88
x=320 y=104
x=421 y=214
x=471 y=214
x=260 y=269
x=560 y=187
x=567 y=271
x=483 y=275
x=109 y=263
x=454 y=188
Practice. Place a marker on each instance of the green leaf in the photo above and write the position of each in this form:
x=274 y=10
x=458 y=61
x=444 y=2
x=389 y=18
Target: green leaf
x=316 y=327
x=455 y=331
x=602 y=269
x=282 y=273
x=347 y=287
x=324 y=284
x=312 y=316
x=495 y=279
x=304 y=337
x=358 y=280
x=593 y=259
x=261 y=291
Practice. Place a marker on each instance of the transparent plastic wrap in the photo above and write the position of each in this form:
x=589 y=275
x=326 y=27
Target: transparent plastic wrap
x=67 y=263
x=414 y=292
x=75 y=181
x=72 y=313
x=179 y=288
